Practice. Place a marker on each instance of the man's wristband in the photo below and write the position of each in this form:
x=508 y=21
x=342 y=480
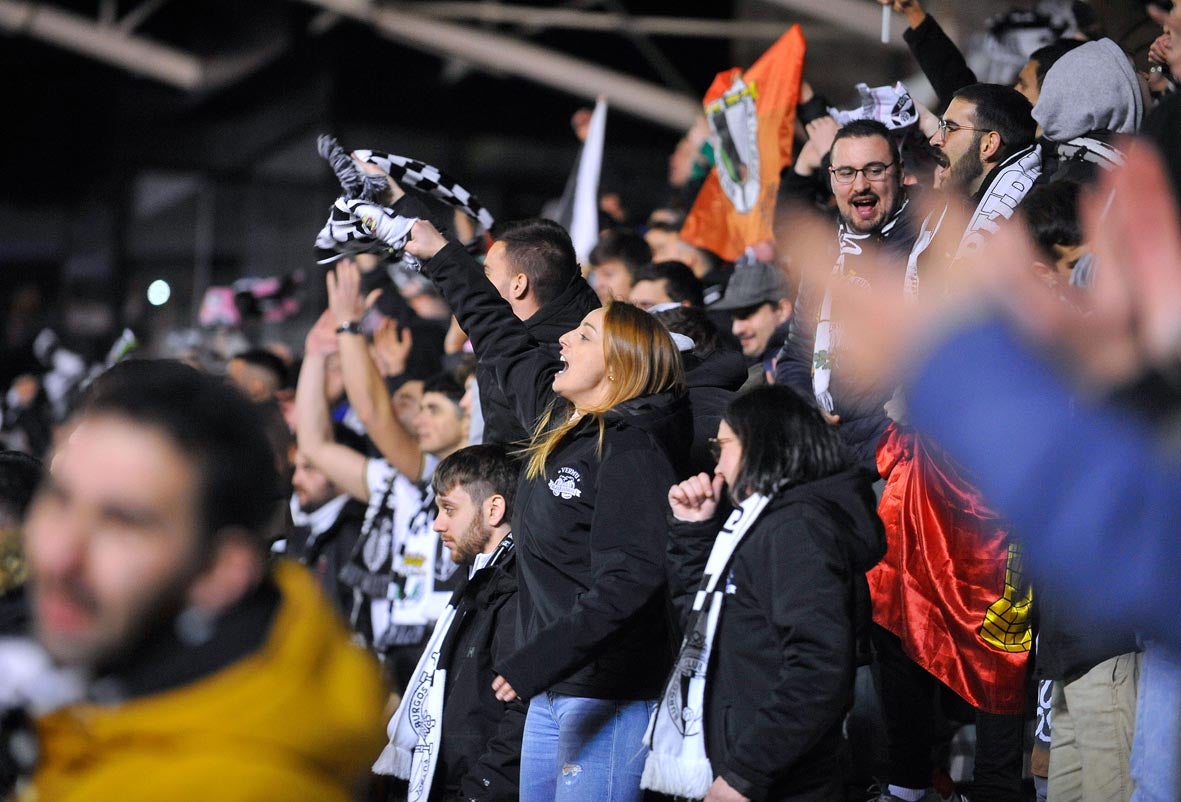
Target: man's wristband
x=352 y=327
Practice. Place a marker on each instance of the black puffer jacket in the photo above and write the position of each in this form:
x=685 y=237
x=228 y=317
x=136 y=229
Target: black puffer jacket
x=781 y=675
x=591 y=532
x=480 y=752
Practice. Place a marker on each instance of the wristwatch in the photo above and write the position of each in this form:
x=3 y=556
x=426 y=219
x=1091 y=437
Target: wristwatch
x=352 y=327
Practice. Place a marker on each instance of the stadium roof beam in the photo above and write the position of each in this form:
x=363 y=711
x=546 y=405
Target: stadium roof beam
x=504 y=54
x=113 y=43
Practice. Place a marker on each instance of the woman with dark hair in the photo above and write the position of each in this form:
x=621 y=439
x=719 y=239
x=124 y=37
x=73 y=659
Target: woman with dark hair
x=593 y=644
x=765 y=676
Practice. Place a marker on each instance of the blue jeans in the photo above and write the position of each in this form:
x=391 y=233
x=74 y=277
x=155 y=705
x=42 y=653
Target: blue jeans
x=577 y=749
x=1156 y=747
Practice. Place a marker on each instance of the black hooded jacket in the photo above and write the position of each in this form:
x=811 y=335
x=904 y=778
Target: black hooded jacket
x=712 y=382
x=590 y=533
x=780 y=678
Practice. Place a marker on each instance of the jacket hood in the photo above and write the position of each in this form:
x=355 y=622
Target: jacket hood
x=302 y=712
x=564 y=312
x=648 y=411
x=723 y=369
x=849 y=498
x=1091 y=88
x=665 y=417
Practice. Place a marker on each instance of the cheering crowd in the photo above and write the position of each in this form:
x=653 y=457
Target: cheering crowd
x=761 y=500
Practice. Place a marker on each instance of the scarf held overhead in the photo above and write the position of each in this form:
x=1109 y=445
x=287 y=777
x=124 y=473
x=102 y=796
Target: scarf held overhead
x=345 y=234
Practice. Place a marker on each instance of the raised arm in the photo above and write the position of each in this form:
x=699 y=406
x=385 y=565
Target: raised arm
x=524 y=370
x=363 y=383
x=938 y=57
x=313 y=426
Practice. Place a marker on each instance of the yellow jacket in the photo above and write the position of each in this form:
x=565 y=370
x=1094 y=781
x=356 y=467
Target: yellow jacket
x=301 y=719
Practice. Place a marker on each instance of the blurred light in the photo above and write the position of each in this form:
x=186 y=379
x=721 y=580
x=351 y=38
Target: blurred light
x=159 y=292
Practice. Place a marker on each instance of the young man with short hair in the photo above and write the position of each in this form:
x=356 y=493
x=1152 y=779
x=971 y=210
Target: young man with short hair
x=207 y=673
x=477 y=738
x=664 y=283
x=400 y=574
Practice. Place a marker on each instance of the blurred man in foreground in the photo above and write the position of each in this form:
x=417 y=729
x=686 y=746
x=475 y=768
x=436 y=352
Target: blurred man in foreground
x=208 y=675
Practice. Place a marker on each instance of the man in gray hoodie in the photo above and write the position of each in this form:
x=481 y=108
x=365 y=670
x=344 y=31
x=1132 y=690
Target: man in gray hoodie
x=1090 y=95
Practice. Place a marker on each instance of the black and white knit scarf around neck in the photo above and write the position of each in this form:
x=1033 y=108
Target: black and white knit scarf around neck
x=677 y=764
x=416 y=728
x=345 y=233
x=827 y=341
x=1014 y=180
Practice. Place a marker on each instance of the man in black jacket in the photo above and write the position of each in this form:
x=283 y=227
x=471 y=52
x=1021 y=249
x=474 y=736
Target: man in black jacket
x=533 y=267
x=326 y=523
x=874 y=219
x=480 y=740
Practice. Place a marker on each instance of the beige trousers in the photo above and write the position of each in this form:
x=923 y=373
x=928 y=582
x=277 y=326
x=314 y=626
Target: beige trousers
x=1091 y=741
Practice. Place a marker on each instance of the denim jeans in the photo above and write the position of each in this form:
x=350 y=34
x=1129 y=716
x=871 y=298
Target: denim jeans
x=577 y=749
x=1156 y=748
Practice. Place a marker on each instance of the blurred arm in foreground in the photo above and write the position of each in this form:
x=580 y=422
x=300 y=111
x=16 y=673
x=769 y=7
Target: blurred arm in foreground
x=991 y=367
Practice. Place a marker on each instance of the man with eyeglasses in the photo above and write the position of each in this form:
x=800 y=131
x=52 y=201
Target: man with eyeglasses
x=873 y=216
x=928 y=617
x=989 y=161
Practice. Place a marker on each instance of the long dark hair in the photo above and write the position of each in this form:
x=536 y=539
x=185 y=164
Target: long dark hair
x=785 y=441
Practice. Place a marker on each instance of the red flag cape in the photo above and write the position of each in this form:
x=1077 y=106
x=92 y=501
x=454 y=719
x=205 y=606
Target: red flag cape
x=752 y=117
x=951 y=585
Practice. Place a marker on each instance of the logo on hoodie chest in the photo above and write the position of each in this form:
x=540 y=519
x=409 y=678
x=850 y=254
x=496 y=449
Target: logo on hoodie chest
x=565 y=485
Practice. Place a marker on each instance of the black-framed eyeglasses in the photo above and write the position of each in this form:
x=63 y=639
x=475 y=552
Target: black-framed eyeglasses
x=949 y=127
x=715 y=447
x=874 y=171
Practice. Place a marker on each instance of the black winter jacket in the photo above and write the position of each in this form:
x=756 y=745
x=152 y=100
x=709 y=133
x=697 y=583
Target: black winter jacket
x=591 y=533
x=480 y=752
x=712 y=383
x=329 y=552
x=781 y=674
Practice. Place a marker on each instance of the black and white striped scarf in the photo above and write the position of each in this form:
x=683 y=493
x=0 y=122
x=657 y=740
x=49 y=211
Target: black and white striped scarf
x=416 y=728
x=1014 y=180
x=677 y=764
x=345 y=235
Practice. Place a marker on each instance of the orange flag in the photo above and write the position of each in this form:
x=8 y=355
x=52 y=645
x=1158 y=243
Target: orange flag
x=752 y=117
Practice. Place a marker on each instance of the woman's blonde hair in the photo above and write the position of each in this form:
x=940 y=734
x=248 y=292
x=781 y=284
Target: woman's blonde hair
x=641 y=359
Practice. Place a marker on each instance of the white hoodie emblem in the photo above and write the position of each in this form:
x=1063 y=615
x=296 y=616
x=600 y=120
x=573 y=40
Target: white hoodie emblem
x=566 y=484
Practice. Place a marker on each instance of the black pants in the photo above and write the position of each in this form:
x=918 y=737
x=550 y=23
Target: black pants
x=910 y=703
